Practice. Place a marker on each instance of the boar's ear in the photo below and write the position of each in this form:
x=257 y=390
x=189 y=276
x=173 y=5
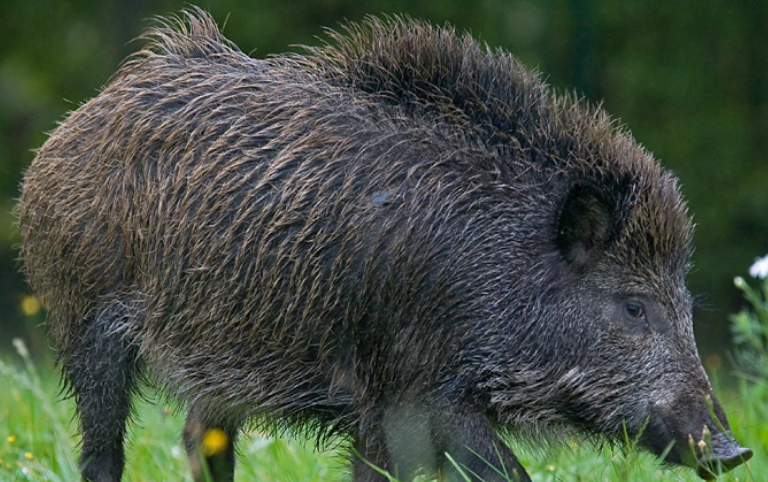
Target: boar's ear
x=585 y=225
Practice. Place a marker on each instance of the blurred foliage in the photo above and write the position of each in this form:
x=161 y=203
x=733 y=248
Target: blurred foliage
x=750 y=331
x=689 y=77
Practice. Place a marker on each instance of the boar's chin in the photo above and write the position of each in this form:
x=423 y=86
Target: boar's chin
x=720 y=454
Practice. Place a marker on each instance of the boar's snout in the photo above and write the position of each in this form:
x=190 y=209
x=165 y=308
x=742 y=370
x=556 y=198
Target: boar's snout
x=723 y=454
x=702 y=443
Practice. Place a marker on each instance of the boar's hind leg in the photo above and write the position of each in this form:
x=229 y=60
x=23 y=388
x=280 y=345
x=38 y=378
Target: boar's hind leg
x=210 y=449
x=473 y=444
x=101 y=369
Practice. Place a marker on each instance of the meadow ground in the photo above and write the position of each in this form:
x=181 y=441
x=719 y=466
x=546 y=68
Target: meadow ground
x=37 y=442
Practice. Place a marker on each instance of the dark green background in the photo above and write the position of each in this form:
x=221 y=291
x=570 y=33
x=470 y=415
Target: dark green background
x=689 y=77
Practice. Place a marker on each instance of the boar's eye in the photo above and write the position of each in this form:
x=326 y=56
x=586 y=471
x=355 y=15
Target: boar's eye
x=635 y=311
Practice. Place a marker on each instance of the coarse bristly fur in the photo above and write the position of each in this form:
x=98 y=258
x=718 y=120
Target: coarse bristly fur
x=401 y=236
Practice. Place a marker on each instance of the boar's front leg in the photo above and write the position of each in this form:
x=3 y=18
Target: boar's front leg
x=473 y=444
x=416 y=437
x=398 y=442
x=369 y=462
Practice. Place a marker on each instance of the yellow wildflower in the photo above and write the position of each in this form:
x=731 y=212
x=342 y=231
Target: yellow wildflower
x=215 y=441
x=30 y=305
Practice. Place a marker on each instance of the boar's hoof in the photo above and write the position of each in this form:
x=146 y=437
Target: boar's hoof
x=726 y=454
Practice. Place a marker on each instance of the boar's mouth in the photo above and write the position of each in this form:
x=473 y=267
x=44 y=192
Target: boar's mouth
x=720 y=453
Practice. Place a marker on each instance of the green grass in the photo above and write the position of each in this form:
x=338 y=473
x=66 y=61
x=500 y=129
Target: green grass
x=37 y=443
